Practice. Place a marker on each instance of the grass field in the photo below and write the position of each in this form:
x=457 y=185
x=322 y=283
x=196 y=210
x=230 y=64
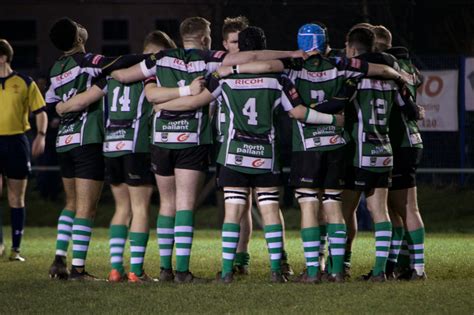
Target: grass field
x=25 y=287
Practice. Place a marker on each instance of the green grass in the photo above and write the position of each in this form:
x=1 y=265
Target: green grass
x=25 y=287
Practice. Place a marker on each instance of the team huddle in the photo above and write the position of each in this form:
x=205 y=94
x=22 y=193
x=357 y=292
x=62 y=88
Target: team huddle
x=154 y=117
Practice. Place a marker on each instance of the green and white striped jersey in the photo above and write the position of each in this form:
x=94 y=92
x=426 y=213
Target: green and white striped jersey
x=127 y=118
x=71 y=75
x=368 y=123
x=176 y=68
x=404 y=132
x=249 y=103
x=317 y=80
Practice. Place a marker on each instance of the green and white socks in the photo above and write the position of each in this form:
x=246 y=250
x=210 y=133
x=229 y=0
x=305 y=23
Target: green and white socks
x=165 y=233
x=395 y=245
x=230 y=240
x=274 y=238
x=311 y=243
x=337 y=237
x=138 y=243
x=117 y=239
x=416 y=246
x=65 y=221
x=81 y=236
x=383 y=235
x=183 y=238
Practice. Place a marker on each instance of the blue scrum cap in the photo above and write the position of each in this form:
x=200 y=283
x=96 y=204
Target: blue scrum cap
x=312 y=37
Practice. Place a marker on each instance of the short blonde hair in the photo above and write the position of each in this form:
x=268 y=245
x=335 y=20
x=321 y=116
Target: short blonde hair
x=383 y=38
x=234 y=24
x=194 y=26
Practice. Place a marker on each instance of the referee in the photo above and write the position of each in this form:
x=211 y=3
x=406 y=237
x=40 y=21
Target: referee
x=19 y=96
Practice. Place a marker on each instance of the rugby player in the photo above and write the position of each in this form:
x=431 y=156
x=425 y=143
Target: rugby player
x=181 y=140
x=249 y=153
x=79 y=143
x=127 y=160
x=370 y=171
x=317 y=163
x=19 y=97
x=407 y=146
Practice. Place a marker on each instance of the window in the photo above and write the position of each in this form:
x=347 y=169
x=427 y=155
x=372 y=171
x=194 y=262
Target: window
x=170 y=27
x=18 y=30
x=115 y=30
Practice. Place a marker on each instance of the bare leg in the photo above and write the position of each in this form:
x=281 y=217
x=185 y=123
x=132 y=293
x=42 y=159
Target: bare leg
x=123 y=211
x=140 y=200
x=350 y=202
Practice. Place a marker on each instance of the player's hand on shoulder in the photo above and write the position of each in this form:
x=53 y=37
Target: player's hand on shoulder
x=197 y=85
x=60 y=109
x=299 y=54
x=224 y=71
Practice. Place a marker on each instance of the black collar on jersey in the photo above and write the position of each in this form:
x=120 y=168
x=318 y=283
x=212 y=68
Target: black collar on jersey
x=399 y=52
x=3 y=80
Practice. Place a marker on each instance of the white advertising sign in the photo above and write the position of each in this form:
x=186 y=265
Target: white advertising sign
x=439 y=96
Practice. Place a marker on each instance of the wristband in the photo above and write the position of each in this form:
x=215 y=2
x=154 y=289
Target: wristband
x=235 y=69
x=184 y=91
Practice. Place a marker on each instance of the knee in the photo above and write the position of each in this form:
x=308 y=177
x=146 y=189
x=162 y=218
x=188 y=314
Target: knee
x=16 y=201
x=306 y=195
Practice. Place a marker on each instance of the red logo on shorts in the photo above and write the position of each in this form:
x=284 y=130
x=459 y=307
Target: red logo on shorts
x=183 y=137
x=68 y=139
x=258 y=163
x=387 y=161
x=120 y=145
x=334 y=140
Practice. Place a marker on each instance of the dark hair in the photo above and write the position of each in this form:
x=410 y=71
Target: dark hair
x=193 y=26
x=159 y=38
x=6 y=50
x=362 y=39
x=252 y=38
x=234 y=24
x=63 y=34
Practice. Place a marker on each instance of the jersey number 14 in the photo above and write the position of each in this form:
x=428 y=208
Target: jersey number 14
x=124 y=100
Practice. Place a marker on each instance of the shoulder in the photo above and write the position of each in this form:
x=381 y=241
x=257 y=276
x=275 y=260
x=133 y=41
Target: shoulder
x=25 y=78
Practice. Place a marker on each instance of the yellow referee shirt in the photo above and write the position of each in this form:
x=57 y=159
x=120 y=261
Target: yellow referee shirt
x=19 y=96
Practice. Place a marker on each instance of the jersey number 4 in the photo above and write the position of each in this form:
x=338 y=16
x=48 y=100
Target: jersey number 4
x=124 y=100
x=250 y=110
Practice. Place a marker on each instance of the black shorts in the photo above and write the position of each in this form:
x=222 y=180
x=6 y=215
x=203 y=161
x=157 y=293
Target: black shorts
x=230 y=178
x=318 y=169
x=85 y=162
x=405 y=163
x=15 y=153
x=363 y=180
x=133 y=169
x=165 y=161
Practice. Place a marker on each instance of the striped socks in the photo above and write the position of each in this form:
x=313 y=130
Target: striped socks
x=337 y=246
x=311 y=242
x=395 y=244
x=183 y=238
x=117 y=240
x=81 y=236
x=416 y=246
x=65 y=221
x=383 y=235
x=138 y=243
x=165 y=233
x=274 y=238
x=230 y=239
